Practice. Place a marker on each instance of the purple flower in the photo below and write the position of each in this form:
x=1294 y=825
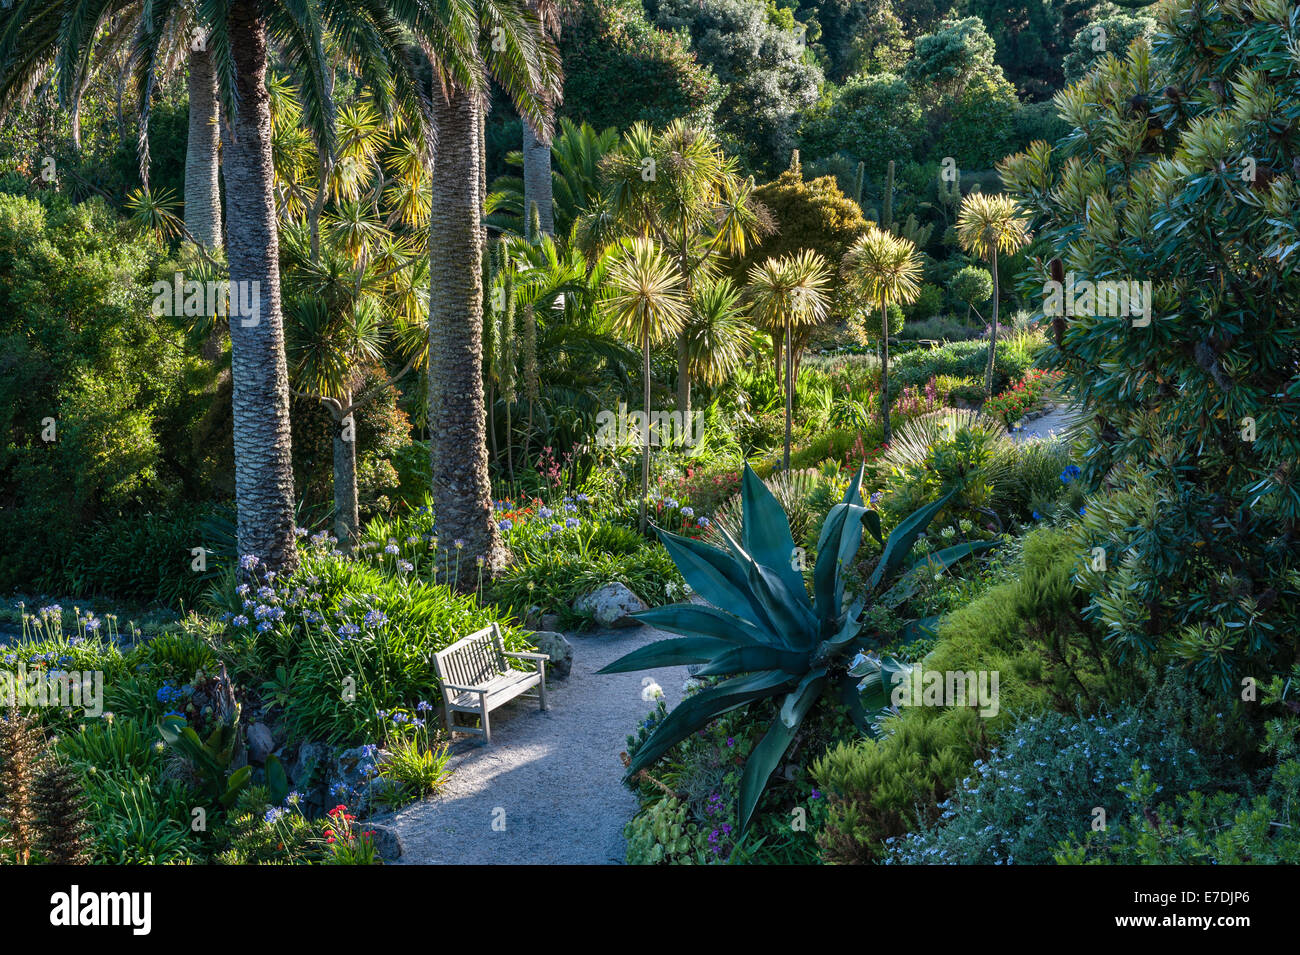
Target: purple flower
x=248 y=562
x=505 y=524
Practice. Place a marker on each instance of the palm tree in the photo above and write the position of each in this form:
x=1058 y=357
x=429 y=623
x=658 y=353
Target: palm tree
x=680 y=188
x=526 y=64
x=372 y=35
x=576 y=152
x=719 y=334
x=986 y=225
x=885 y=270
x=76 y=39
x=647 y=304
x=788 y=293
x=537 y=146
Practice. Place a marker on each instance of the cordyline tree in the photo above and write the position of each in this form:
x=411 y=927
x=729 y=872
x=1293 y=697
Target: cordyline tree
x=1182 y=172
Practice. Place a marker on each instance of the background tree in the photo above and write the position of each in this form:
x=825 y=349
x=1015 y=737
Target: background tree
x=986 y=225
x=884 y=269
x=647 y=305
x=1109 y=35
x=766 y=80
x=787 y=294
x=971 y=286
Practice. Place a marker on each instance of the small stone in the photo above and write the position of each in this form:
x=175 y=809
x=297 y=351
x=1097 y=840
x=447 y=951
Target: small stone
x=387 y=843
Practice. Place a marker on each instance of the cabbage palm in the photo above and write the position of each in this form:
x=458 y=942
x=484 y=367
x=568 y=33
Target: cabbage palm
x=788 y=293
x=680 y=188
x=647 y=304
x=986 y=225
x=719 y=334
x=885 y=270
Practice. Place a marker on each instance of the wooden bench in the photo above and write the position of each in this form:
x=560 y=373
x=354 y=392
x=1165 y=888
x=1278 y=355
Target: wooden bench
x=476 y=678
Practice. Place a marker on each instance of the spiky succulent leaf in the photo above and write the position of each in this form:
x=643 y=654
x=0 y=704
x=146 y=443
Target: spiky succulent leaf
x=903 y=537
x=666 y=653
x=697 y=620
x=717 y=577
x=696 y=711
x=750 y=659
x=767 y=755
x=765 y=531
x=941 y=560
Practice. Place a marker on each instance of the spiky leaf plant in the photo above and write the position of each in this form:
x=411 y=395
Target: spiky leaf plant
x=63 y=835
x=21 y=743
x=765 y=633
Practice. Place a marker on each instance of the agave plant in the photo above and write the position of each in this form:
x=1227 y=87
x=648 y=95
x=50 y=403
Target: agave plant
x=767 y=635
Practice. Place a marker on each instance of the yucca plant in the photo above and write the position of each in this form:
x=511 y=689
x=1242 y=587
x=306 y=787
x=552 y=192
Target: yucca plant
x=767 y=635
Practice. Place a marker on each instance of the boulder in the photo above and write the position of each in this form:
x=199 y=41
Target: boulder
x=387 y=843
x=261 y=743
x=611 y=606
x=550 y=621
x=558 y=648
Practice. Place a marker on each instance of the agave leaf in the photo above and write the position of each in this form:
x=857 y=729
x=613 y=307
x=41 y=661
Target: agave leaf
x=717 y=577
x=853 y=493
x=876 y=687
x=839 y=543
x=666 y=653
x=804 y=695
x=791 y=612
x=903 y=537
x=871 y=521
x=766 y=756
x=765 y=531
x=750 y=659
x=943 y=559
x=852 y=700
x=914 y=630
x=697 y=620
x=695 y=711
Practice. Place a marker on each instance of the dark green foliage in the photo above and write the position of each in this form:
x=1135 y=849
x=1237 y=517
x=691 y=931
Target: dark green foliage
x=871 y=118
x=63 y=834
x=1108 y=36
x=766 y=83
x=620 y=70
x=81 y=348
x=1194 y=415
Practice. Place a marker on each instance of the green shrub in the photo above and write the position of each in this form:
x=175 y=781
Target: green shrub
x=1028 y=629
x=1043 y=783
x=348 y=624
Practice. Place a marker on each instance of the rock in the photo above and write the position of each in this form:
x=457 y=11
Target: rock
x=550 y=621
x=558 y=648
x=355 y=780
x=261 y=743
x=533 y=619
x=611 y=606
x=387 y=842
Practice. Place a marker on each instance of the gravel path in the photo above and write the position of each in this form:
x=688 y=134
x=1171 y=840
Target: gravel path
x=554 y=778
x=1054 y=422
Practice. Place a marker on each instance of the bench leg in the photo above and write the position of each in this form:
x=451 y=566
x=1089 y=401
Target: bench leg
x=487 y=729
x=541 y=668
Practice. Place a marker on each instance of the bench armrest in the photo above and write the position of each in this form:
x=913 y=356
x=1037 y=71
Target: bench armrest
x=465 y=689
x=528 y=656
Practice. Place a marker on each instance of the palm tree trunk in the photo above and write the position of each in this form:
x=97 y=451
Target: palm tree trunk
x=263 y=460
x=537 y=182
x=789 y=393
x=884 y=367
x=683 y=383
x=462 y=489
x=993 y=331
x=346 y=511
x=202 y=186
x=645 y=428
